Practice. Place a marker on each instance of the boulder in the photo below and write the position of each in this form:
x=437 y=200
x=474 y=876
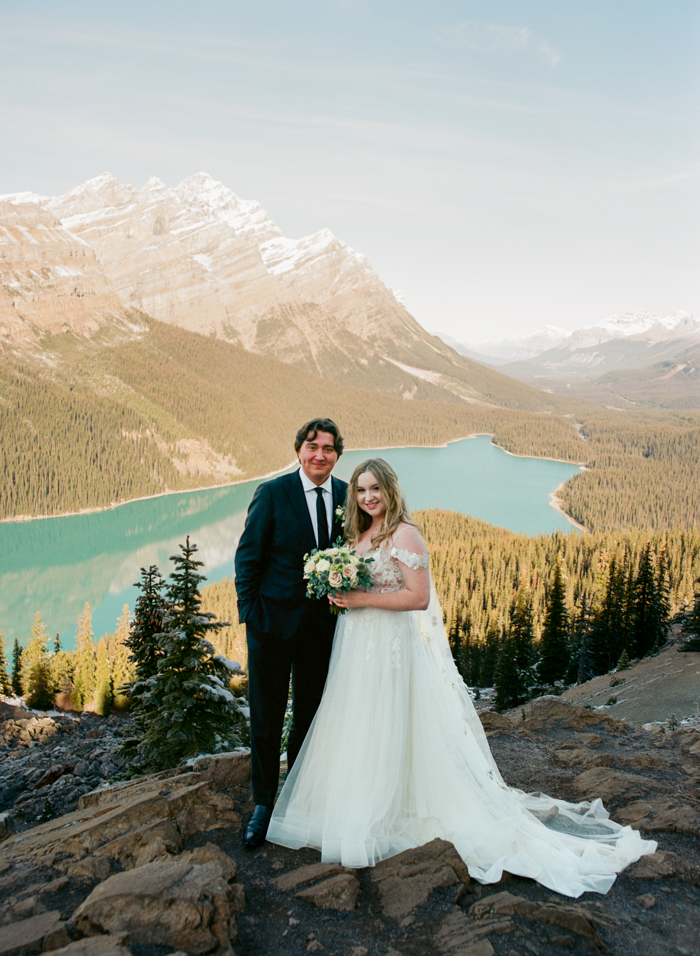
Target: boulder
x=210 y=853
x=10 y=712
x=307 y=874
x=224 y=771
x=666 y=865
x=576 y=919
x=95 y=946
x=7 y=824
x=405 y=881
x=607 y=784
x=661 y=813
x=457 y=935
x=171 y=903
x=42 y=932
x=581 y=757
x=340 y=893
x=91 y=868
x=490 y=720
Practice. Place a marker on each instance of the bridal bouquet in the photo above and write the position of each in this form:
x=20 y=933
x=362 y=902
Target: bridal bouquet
x=336 y=569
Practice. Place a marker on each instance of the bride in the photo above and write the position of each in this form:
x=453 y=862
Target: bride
x=396 y=754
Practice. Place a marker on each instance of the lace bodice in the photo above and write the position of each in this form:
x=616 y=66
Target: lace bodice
x=385 y=567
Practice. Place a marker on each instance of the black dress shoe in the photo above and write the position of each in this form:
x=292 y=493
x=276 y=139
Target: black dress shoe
x=256 y=831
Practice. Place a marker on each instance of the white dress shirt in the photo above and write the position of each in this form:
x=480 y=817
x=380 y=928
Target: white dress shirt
x=310 y=494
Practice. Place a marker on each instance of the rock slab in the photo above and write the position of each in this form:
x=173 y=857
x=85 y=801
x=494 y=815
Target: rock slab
x=173 y=903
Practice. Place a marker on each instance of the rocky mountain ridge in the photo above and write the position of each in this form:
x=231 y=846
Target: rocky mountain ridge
x=199 y=257
x=620 y=343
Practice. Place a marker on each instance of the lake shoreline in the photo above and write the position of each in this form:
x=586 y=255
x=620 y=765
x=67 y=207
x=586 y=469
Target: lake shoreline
x=271 y=474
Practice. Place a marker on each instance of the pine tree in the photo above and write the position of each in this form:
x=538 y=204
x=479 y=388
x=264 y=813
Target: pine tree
x=514 y=673
x=35 y=669
x=690 y=626
x=663 y=600
x=35 y=651
x=57 y=644
x=581 y=658
x=650 y=610
x=103 y=680
x=17 y=669
x=142 y=642
x=489 y=659
x=187 y=705
x=121 y=664
x=5 y=682
x=506 y=676
x=40 y=685
x=607 y=632
x=554 y=644
x=62 y=664
x=84 y=671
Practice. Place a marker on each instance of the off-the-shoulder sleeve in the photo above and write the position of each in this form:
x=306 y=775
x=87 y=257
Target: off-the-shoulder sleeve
x=411 y=549
x=410 y=558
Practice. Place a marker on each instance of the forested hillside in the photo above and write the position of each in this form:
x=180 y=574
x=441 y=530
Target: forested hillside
x=173 y=410
x=642 y=471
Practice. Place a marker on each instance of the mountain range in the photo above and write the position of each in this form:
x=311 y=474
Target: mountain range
x=636 y=359
x=633 y=340
x=199 y=257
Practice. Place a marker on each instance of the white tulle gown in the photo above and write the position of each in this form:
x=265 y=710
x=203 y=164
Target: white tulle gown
x=396 y=756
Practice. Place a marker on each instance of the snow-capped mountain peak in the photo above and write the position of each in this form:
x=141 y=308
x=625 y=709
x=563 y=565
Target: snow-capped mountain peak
x=637 y=323
x=20 y=198
x=246 y=217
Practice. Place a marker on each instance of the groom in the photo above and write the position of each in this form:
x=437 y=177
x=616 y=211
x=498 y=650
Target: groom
x=287 y=632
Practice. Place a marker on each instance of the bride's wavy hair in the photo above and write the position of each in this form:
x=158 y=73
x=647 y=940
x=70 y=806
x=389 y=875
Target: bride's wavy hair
x=358 y=521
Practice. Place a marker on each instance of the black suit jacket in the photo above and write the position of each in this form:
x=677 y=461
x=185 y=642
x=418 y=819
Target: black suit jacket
x=270 y=558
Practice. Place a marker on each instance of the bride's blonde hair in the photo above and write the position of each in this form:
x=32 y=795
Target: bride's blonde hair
x=358 y=521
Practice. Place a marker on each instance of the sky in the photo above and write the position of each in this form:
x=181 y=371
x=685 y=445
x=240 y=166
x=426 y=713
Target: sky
x=505 y=164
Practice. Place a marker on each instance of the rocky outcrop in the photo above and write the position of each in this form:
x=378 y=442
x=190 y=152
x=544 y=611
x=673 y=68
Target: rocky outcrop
x=49 y=762
x=50 y=279
x=43 y=932
x=164 y=852
x=406 y=881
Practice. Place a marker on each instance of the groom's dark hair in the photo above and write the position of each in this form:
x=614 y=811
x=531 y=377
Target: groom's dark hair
x=309 y=431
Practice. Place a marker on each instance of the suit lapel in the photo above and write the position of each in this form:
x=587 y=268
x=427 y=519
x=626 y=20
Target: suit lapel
x=339 y=490
x=297 y=501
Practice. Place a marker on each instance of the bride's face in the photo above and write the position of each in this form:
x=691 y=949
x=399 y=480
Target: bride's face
x=369 y=495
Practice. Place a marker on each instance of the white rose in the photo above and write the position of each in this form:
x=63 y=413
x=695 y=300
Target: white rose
x=323 y=565
x=350 y=573
x=309 y=567
x=332 y=551
x=335 y=578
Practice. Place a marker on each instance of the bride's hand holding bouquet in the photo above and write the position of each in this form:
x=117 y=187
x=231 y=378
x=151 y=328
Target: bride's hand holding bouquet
x=334 y=572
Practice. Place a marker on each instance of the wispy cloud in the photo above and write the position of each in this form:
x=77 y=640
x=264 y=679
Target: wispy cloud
x=495 y=38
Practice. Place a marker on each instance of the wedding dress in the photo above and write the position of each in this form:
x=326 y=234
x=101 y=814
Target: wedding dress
x=397 y=756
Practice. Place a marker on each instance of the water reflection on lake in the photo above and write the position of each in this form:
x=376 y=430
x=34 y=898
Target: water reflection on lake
x=55 y=565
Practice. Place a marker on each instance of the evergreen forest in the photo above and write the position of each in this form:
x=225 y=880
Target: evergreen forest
x=175 y=410
x=528 y=615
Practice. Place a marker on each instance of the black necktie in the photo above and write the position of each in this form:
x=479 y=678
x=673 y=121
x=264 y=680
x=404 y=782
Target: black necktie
x=321 y=521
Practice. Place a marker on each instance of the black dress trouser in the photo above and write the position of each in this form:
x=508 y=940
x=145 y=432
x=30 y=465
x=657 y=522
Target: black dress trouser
x=271 y=662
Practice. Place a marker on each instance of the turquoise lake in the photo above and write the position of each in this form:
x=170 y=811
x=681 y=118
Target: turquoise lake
x=55 y=565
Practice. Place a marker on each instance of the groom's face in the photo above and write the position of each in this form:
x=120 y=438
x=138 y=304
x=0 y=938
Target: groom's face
x=317 y=456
